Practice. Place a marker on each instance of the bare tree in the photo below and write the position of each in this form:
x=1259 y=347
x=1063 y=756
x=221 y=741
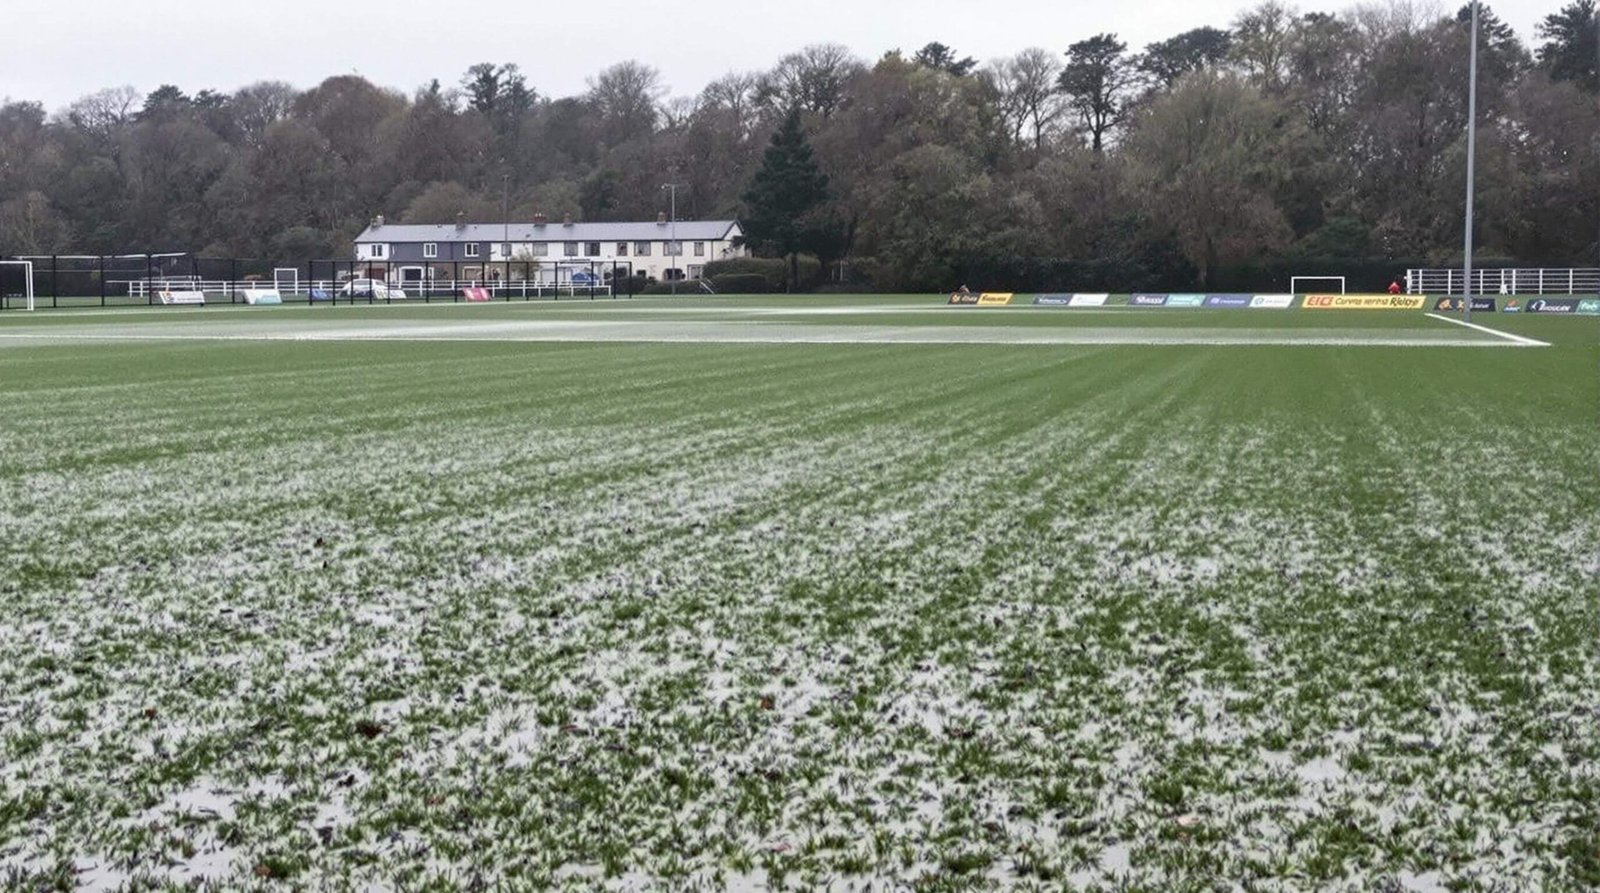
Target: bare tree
x=815 y=79
x=29 y=225
x=627 y=98
x=1029 y=97
x=259 y=106
x=103 y=112
x=736 y=96
x=1261 y=43
x=678 y=111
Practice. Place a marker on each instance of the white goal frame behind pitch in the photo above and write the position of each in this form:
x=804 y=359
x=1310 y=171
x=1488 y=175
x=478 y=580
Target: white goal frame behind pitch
x=278 y=279
x=27 y=277
x=1294 y=282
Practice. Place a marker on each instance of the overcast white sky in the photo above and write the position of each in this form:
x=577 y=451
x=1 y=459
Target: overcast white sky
x=57 y=51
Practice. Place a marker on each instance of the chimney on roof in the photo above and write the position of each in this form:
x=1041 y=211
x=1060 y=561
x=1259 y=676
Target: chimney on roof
x=566 y=220
x=661 y=219
x=461 y=220
x=540 y=220
x=377 y=222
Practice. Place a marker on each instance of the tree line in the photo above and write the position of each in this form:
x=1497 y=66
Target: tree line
x=1309 y=140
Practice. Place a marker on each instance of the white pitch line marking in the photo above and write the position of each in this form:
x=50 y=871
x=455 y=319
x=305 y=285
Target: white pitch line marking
x=1518 y=339
x=751 y=336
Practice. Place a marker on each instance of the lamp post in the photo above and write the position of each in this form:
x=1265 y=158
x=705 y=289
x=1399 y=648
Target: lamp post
x=673 y=248
x=1472 y=165
x=505 y=219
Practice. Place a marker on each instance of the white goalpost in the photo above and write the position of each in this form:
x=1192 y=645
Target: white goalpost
x=27 y=279
x=1294 y=282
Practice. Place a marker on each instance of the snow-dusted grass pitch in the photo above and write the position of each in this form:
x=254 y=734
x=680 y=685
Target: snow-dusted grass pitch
x=760 y=321
x=408 y=614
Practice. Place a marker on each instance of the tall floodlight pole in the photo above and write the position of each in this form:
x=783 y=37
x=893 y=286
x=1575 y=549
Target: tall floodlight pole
x=1472 y=164
x=672 y=246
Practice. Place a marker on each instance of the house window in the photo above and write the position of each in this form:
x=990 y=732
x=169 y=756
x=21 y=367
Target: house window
x=505 y=249
x=642 y=249
x=541 y=249
x=430 y=250
x=377 y=251
x=472 y=249
x=622 y=249
x=594 y=250
x=570 y=249
x=699 y=249
x=675 y=249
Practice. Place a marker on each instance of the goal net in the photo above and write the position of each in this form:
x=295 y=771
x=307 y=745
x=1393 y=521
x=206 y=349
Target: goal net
x=1337 y=281
x=16 y=281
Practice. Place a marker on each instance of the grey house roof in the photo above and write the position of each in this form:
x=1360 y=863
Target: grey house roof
x=687 y=230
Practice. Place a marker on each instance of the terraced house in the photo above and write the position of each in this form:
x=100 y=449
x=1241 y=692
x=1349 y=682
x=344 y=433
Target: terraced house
x=662 y=249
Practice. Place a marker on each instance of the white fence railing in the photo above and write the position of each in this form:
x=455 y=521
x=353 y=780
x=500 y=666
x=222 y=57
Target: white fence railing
x=434 y=289
x=1492 y=281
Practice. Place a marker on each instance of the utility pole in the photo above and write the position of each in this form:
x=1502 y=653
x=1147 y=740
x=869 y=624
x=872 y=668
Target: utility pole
x=1472 y=164
x=673 y=246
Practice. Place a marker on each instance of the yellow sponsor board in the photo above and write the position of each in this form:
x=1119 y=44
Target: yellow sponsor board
x=1365 y=302
x=995 y=299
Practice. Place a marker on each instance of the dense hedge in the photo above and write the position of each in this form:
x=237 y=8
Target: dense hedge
x=742 y=284
x=774 y=269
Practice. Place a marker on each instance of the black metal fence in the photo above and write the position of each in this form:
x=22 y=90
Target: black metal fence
x=68 y=281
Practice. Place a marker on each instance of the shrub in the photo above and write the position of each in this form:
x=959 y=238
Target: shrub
x=742 y=284
x=774 y=269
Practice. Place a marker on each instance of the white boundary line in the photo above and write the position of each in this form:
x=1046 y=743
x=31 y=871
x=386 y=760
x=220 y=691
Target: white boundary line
x=1516 y=339
x=892 y=337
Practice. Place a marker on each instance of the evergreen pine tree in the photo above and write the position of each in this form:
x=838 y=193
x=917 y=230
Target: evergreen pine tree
x=783 y=195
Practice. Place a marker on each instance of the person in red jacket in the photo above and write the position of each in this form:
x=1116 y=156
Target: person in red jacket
x=1394 y=287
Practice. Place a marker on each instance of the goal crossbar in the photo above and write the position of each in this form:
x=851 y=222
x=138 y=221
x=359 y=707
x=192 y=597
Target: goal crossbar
x=27 y=279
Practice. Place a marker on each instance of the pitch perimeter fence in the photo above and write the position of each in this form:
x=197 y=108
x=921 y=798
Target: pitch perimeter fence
x=75 y=281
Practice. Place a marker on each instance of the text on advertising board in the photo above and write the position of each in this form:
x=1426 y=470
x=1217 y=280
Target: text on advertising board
x=1552 y=305
x=1052 y=300
x=1228 y=301
x=995 y=298
x=1453 y=305
x=1272 y=302
x=1365 y=302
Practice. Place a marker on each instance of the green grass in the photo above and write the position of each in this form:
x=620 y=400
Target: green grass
x=431 y=614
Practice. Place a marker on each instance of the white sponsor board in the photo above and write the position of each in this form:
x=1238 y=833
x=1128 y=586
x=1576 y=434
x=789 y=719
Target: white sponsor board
x=1082 y=300
x=181 y=297
x=263 y=296
x=1272 y=302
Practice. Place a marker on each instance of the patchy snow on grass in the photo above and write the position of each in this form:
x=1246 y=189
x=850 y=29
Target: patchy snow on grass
x=639 y=618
